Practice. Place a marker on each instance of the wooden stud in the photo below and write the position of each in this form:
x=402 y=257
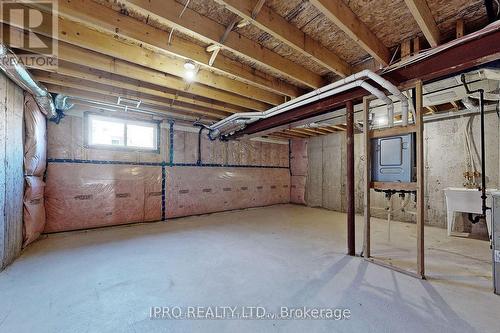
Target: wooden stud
x=367 y=176
x=460 y=28
x=405 y=48
x=416 y=45
x=420 y=179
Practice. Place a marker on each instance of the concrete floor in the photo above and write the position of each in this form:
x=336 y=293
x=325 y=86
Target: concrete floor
x=107 y=280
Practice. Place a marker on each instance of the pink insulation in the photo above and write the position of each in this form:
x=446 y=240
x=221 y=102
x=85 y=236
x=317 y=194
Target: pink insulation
x=88 y=187
x=193 y=190
x=81 y=196
x=35 y=159
x=34 y=209
x=298 y=169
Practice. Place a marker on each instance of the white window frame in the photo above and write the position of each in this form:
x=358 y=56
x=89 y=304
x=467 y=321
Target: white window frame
x=125 y=121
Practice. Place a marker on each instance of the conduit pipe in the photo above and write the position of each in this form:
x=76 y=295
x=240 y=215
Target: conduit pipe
x=15 y=70
x=350 y=82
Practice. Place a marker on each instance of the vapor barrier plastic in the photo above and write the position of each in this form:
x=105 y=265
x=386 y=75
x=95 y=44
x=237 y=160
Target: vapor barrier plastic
x=34 y=209
x=82 y=196
x=89 y=187
x=192 y=190
x=35 y=159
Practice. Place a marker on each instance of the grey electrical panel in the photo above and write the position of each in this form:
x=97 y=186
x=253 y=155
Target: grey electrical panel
x=394 y=159
x=495 y=240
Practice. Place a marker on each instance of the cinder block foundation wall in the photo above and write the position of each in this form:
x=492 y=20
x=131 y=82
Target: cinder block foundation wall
x=96 y=187
x=445 y=164
x=11 y=170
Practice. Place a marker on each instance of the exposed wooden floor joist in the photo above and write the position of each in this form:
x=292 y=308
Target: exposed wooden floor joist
x=167 y=11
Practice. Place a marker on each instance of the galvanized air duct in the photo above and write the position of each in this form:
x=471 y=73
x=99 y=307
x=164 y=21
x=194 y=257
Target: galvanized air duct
x=15 y=70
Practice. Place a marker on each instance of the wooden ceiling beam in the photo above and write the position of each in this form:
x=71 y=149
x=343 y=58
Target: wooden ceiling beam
x=275 y=25
x=314 y=131
x=82 y=106
x=280 y=135
x=78 y=55
x=326 y=129
x=108 y=20
x=422 y=14
x=93 y=75
x=111 y=101
x=89 y=86
x=343 y=17
x=80 y=35
x=301 y=132
x=295 y=135
x=167 y=12
x=338 y=127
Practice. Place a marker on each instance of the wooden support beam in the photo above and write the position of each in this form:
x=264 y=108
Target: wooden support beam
x=422 y=14
x=343 y=17
x=394 y=186
x=367 y=177
x=93 y=75
x=84 y=85
x=167 y=12
x=296 y=134
x=419 y=123
x=111 y=100
x=302 y=131
x=78 y=55
x=107 y=20
x=79 y=35
x=338 y=127
x=392 y=131
x=326 y=129
x=350 y=195
x=83 y=106
x=287 y=33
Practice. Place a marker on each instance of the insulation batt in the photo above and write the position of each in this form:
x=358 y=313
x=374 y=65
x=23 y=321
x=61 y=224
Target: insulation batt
x=192 y=190
x=35 y=159
x=80 y=196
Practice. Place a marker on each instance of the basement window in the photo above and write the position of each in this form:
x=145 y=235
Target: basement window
x=121 y=133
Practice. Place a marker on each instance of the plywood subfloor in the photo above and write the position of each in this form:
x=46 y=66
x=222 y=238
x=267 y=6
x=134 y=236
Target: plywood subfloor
x=106 y=280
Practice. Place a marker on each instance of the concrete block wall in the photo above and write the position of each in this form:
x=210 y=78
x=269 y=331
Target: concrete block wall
x=96 y=187
x=444 y=167
x=11 y=170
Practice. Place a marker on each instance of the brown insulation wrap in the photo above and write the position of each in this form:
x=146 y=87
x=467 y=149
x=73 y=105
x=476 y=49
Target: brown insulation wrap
x=35 y=159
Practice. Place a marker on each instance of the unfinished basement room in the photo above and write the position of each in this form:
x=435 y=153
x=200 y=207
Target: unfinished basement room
x=250 y=166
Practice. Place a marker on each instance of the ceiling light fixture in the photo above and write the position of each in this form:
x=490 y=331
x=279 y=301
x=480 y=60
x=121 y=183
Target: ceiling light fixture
x=190 y=71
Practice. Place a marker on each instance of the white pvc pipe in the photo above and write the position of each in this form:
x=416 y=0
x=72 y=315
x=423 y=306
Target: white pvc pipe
x=347 y=83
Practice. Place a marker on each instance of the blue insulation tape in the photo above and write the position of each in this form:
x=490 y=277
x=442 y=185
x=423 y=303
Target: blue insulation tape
x=163 y=191
x=171 y=149
x=203 y=165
